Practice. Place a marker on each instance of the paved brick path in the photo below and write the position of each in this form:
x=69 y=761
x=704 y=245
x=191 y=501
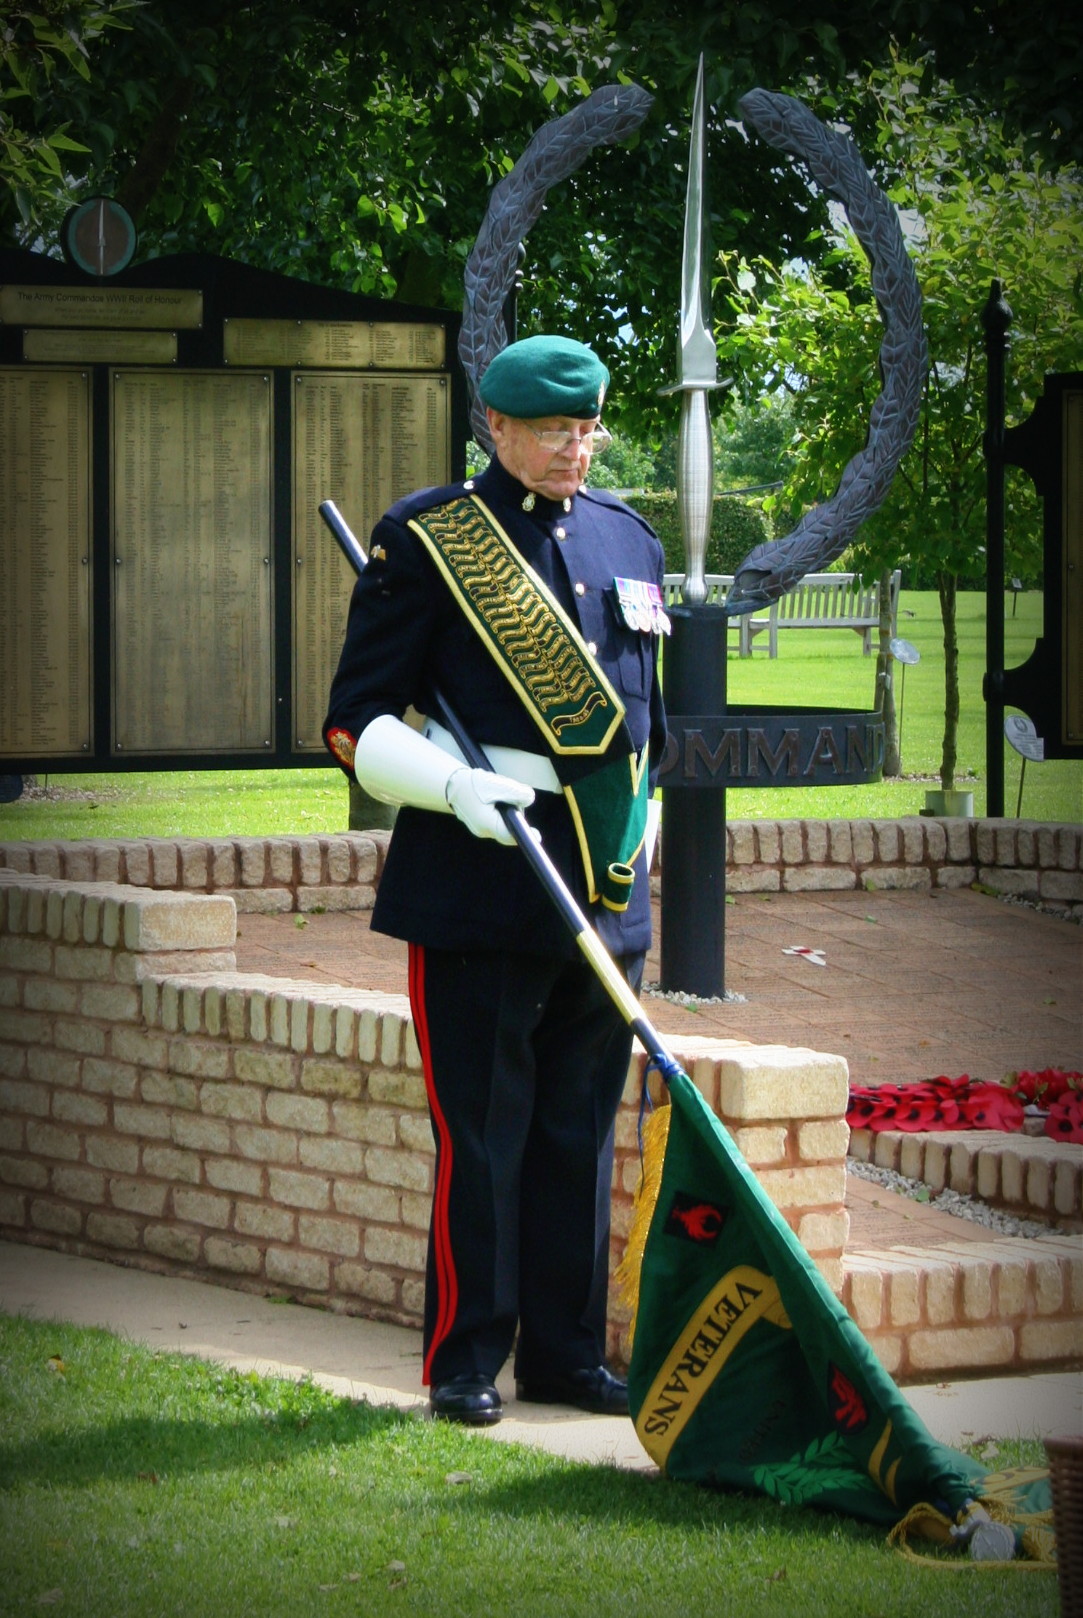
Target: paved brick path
x=916 y=983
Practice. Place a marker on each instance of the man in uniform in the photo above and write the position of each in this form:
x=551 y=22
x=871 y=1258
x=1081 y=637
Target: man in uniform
x=534 y=604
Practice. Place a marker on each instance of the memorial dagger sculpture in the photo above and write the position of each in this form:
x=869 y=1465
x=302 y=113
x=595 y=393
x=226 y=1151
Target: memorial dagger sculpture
x=693 y=831
x=693 y=839
x=693 y=823
x=837 y=168
x=610 y=115
x=698 y=363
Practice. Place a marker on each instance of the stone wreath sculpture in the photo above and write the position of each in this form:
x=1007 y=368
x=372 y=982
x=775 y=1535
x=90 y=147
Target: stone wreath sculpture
x=824 y=532
x=608 y=116
x=836 y=166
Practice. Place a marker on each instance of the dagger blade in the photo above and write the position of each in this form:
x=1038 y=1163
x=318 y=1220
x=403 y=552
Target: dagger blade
x=699 y=355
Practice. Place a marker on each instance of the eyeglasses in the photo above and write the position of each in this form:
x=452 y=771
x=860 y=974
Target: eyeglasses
x=556 y=440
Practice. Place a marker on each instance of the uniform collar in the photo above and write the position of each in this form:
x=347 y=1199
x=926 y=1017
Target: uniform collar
x=496 y=483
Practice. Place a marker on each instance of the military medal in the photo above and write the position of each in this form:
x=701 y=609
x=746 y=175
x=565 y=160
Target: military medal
x=641 y=606
x=659 y=615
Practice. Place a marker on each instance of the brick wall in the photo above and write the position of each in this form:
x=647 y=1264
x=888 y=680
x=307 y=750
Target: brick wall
x=160 y=1109
x=267 y=874
x=971 y=1308
x=1002 y=1303
x=1028 y=859
x=1031 y=1177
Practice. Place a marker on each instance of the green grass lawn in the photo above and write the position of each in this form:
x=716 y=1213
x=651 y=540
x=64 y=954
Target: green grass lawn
x=135 y=1484
x=813 y=666
x=827 y=666
x=182 y=803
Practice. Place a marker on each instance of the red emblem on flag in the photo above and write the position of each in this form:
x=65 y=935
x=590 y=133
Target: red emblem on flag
x=847 y=1406
x=694 y=1220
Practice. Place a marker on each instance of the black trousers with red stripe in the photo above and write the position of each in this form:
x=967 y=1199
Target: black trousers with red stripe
x=525 y=1062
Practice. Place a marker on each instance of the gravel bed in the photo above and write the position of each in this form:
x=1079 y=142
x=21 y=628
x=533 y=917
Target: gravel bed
x=677 y=997
x=1064 y=911
x=950 y=1202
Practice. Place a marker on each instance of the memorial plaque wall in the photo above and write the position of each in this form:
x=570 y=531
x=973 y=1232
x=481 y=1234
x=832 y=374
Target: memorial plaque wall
x=119 y=308
x=45 y=563
x=97 y=347
x=363 y=442
x=355 y=344
x=192 y=615
x=168 y=594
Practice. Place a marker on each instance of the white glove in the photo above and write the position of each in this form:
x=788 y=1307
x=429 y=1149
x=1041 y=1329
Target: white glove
x=397 y=765
x=474 y=795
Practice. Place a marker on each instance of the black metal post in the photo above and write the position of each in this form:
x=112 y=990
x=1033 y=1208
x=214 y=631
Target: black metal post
x=996 y=318
x=694 y=820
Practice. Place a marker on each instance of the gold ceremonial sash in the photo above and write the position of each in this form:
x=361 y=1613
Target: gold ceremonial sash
x=522 y=626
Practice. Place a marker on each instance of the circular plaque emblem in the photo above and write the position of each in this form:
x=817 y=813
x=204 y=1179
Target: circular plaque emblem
x=98 y=236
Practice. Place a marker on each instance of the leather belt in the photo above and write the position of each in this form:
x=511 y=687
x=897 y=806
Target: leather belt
x=533 y=769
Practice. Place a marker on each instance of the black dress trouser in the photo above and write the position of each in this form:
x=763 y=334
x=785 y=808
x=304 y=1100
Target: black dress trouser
x=525 y=1061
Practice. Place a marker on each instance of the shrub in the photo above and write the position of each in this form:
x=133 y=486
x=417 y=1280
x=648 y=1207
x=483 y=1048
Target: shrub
x=737 y=526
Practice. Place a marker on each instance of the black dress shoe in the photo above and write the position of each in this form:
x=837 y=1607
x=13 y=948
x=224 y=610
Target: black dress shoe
x=594 y=1389
x=470 y=1398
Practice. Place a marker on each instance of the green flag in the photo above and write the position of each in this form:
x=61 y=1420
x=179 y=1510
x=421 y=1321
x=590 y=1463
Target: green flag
x=746 y=1370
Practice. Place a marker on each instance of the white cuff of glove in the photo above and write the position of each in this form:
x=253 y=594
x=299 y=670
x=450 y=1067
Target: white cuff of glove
x=397 y=765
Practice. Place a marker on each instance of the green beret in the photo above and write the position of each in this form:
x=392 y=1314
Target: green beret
x=546 y=376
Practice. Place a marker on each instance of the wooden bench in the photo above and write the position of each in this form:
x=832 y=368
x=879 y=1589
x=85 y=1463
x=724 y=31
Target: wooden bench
x=820 y=601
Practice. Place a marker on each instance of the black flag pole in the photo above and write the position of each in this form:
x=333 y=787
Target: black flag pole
x=590 y=945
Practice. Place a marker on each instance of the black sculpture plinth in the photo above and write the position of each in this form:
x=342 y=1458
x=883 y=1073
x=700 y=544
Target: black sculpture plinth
x=712 y=745
x=694 y=823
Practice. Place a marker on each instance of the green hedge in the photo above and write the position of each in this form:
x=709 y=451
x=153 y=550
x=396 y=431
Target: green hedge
x=737 y=526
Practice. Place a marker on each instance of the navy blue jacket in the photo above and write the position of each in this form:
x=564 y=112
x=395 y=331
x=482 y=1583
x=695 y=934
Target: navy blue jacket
x=406 y=636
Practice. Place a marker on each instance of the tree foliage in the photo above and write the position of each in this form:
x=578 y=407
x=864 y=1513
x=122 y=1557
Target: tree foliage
x=976 y=209
x=45 y=56
x=354 y=142
x=754 y=442
x=737 y=526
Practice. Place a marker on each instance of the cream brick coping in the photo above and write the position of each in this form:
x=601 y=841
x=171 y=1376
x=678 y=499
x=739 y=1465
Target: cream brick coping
x=969 y=1309
x=1031 y=1176
x=267 y=874
x=978 y=1306
x=160 y=1109
x=1026 y=859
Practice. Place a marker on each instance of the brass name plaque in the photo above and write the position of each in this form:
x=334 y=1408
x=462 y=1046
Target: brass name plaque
x=102 y=306
x=97 y=347
x=45 y=563
x=358 y=345
x=191 y=555
x=362 y=442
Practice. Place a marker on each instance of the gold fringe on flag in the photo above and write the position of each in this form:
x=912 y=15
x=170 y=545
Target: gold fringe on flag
x=655 y=1135
x=1038 y=1553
